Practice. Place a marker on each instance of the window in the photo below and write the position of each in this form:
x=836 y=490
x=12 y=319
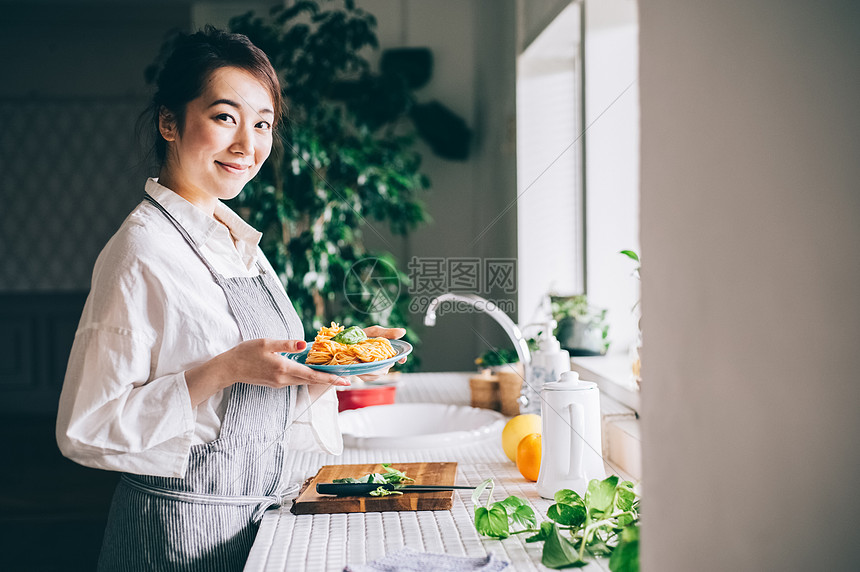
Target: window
x=551 y=240
x=612 y=163
x=578 y=169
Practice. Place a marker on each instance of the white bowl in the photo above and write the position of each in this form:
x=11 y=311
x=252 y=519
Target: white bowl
x=417 y=425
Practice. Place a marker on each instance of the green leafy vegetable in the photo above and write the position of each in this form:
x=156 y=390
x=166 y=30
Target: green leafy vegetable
x=383 y=492
x=605 y=522
x=351 y=335
x=391 y=476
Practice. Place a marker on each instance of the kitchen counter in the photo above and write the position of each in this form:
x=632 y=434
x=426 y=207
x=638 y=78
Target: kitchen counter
x=332 y=541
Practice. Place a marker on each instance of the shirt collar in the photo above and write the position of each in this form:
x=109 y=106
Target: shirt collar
x=202 y=227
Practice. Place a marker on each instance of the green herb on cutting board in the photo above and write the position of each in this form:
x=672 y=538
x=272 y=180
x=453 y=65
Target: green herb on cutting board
x=383 y=492
x=605 y=523
x=391 y=476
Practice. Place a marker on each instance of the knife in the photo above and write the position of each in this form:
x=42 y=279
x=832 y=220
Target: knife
x=354 y=489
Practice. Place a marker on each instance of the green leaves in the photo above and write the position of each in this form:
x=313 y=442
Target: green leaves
x=559 y=551
x=492 y=522
x=383 y=492
x=568 y=513
x=625 y=558
x=605 y=522
x=518 y=511
x=567 y=496
x=524 y=515
x=635 y=257
x=393 y=475
x=569 y=508
x=630 y=254
x=546 y=528
x=625 y=498
x=494 y=519
x=390 y=476
x=600 y=495
x=479 y=490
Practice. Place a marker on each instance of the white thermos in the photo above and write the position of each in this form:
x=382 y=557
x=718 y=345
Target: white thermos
x=571 y=453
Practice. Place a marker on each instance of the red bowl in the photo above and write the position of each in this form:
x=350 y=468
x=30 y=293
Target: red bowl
x=365 y=396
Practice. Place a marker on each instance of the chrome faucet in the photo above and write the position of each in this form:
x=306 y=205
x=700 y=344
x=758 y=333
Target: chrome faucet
x=507 y=324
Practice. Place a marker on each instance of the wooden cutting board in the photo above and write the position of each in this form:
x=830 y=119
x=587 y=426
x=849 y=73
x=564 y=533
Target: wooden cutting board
x=311 y=502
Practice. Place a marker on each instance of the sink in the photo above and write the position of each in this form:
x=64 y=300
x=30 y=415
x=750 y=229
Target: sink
x=417 y=425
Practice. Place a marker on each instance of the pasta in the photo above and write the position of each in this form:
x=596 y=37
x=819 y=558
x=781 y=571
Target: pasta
x=324 y=351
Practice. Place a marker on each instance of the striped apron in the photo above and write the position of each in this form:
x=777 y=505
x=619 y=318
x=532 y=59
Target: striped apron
x=208 y=519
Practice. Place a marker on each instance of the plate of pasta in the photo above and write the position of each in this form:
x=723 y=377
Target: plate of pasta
x=348 y=351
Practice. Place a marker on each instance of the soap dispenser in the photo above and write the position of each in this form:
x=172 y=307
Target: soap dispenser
x=548 y=362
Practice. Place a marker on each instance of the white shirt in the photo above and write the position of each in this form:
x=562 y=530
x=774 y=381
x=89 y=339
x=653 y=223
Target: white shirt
x=153 y=312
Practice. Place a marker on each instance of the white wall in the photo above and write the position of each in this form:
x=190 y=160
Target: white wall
x=750 y=204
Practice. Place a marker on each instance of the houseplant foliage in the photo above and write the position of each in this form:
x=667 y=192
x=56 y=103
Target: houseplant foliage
x=344 y=162
x=603 y=523
x=347 y=163
x=582 y=328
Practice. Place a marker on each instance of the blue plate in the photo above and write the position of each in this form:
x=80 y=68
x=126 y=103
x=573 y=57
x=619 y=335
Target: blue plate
x=402 y=348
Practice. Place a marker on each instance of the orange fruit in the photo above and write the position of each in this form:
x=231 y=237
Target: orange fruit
x=528 y=456
x=516 y=429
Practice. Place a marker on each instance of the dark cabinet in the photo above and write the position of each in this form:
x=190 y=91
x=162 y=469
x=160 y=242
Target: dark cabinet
x=36 y=334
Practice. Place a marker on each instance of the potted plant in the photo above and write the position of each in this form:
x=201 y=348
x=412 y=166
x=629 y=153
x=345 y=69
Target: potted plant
x=497 y=359
x=582 y=329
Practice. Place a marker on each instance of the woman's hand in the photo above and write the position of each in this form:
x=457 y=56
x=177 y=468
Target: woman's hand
x=258 y=362
x=387 y=333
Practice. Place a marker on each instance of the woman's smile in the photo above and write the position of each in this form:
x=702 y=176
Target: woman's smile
x=234 y=168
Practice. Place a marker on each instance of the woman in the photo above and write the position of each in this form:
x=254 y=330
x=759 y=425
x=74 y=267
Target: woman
x=176 y=376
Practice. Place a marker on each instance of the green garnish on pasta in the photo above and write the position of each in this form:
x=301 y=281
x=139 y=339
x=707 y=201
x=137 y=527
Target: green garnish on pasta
x=351 y=335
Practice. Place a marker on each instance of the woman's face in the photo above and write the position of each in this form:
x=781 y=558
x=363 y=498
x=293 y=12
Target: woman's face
x=225 y=140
